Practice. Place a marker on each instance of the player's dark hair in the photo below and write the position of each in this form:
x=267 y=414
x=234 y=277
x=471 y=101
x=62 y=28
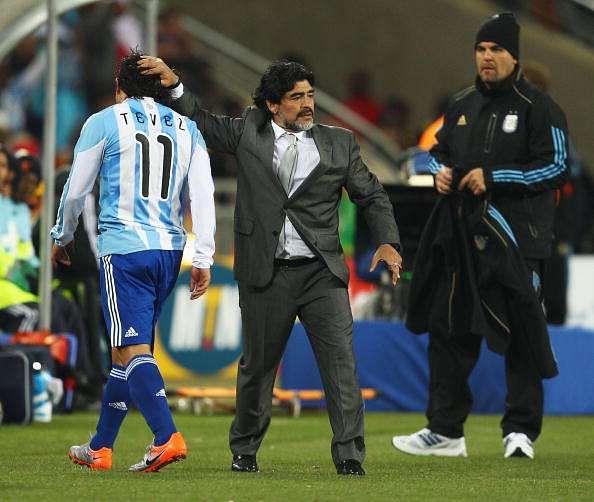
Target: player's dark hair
x=137 y=85
x=279 y=78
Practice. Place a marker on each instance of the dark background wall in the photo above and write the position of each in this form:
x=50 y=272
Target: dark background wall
x=416 y=49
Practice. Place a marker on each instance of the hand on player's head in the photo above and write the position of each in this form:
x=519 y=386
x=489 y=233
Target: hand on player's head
x=150 y=65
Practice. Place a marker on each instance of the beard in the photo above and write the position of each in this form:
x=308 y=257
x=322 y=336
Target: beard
x=297 y=126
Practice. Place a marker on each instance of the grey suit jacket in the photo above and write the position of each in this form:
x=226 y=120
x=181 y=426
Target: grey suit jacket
x=262 y=203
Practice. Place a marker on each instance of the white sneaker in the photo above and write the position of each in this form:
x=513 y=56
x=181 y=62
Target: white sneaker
x=425 y=442
x=517 y=444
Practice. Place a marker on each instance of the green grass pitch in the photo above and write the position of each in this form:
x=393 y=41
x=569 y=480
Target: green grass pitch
x=295 y=463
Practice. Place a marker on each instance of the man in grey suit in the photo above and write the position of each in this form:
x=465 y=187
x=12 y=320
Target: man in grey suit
x=288 y=256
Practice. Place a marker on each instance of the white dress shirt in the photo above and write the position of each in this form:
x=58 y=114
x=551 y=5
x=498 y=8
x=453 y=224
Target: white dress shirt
x=307 y=159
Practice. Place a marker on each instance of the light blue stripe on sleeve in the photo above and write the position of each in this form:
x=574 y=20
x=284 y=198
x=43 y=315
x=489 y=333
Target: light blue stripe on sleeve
x=542 y=173
x=556 y=145
x=434 y=166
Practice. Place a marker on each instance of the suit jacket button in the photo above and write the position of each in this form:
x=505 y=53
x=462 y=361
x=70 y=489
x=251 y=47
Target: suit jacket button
x=275 y=232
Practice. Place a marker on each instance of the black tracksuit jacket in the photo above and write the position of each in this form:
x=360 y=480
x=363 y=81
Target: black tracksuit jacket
x=518 y=135
x=470 y=277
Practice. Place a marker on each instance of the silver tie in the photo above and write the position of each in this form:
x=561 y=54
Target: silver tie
x=286 y=169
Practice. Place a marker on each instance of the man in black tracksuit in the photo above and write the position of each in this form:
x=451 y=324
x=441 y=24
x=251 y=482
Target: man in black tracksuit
x=506 y=142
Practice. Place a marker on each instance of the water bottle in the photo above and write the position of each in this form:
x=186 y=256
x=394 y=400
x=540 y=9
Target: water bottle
x=42 y=405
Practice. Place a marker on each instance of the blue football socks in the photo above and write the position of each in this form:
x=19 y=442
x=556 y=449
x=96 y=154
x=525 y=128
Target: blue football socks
x=113 y=409
x=147 y=391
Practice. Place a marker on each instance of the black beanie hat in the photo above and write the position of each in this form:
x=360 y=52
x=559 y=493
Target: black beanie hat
x=503 y=30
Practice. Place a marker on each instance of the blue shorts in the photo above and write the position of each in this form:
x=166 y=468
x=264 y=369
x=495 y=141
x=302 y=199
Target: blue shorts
x=133 y=289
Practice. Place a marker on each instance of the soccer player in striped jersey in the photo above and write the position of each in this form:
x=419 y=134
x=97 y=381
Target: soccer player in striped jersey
x=151 y=163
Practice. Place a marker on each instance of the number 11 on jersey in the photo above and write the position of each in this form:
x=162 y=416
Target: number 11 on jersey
x=145 y=161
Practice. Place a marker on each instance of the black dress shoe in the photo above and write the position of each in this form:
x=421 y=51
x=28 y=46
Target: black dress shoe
x=350 y=467
x=244 y=463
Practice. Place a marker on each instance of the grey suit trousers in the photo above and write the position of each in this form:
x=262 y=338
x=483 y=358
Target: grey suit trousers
x=320 y=300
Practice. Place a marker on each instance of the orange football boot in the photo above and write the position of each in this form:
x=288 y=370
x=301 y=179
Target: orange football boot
x=99 y=460
x=157 y=457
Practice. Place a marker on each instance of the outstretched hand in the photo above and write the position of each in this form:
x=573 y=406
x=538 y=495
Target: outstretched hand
x=391 y=258
x=199 y=282
x=150 y=65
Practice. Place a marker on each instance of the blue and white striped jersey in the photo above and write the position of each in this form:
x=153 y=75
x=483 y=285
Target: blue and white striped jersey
x=151 y=161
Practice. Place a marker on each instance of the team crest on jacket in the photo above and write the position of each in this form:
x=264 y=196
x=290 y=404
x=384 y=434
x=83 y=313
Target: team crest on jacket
x=510 y=123
x=480 y=241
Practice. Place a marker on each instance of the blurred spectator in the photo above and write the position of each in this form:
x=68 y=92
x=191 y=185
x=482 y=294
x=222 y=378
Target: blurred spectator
x=18 y=309
x=359 y=96
x=394 y=119
x=19 y=263
x=27 y=185
x=26 y=142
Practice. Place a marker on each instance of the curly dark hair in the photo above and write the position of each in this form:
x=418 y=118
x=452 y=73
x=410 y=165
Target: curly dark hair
x=279 y=78
x=137 y=85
